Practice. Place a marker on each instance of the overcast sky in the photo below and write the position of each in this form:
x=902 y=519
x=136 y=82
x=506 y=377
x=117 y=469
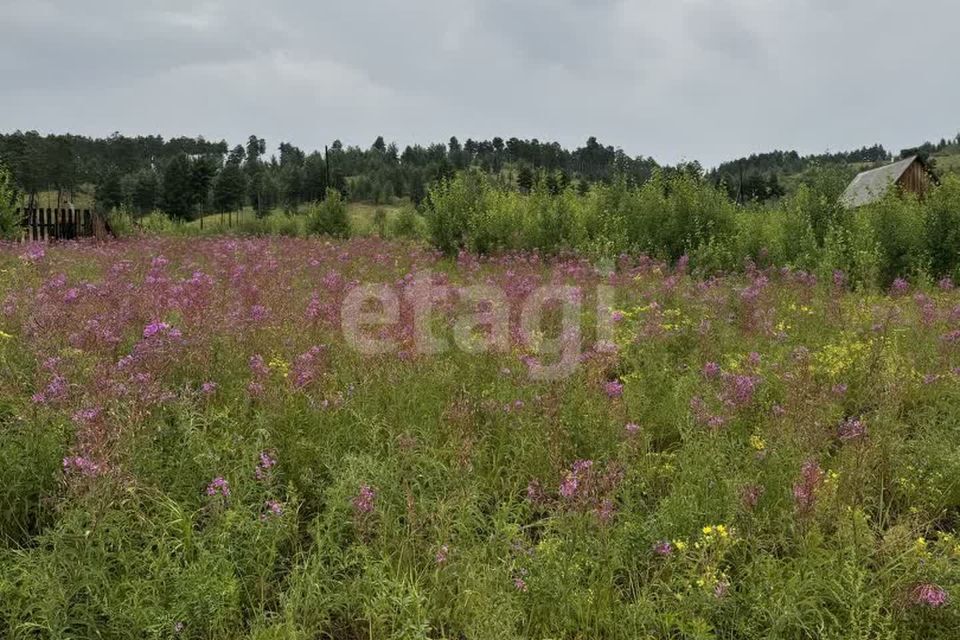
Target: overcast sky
x=672 y=79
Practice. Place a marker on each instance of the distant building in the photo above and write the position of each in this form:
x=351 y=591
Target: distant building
x=910 y=174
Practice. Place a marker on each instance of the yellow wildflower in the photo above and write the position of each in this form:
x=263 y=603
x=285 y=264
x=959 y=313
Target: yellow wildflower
x=280 y=365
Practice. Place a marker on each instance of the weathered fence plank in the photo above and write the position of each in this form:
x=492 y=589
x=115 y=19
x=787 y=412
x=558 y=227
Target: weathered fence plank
x=46 y=225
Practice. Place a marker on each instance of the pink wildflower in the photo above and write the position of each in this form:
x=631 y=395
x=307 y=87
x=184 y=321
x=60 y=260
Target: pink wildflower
x=219 y=486
x=899 y=287
x=83 y=466
x=613 y=388
x=363 y=502
x=851 y=429
x=663 y=548
x=273 y=508
x=264 y=465
x=805 y=490
x=930 y=595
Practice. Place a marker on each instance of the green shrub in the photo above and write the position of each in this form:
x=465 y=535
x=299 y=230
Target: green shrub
x=407 y=223
x=455 y=207
x=9 y=220
x=380 y=221
x=329 y=217
x=943 y=227
x=156 y=222
x=670 y=215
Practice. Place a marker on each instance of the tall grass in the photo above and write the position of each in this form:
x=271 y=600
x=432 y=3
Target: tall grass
x=191 y=450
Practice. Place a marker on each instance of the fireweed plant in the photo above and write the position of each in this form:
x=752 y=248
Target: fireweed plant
x=290 y=438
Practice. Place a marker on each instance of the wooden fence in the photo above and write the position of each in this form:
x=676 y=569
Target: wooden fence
x=45 y=225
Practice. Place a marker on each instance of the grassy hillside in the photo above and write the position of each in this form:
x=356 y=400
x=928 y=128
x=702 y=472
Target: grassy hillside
x=363 y=219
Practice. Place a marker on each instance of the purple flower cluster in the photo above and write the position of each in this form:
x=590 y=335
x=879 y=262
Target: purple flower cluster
x=156 y=329
x=272 y=508
x=81 y=465
x=258 y=313
x=218 y=486
x=663 y=548
x=839 y=279
x=55 y=391
x=899 y=287
x=711 y=370
x=573 y=478
x=264 y=464
x=739 y=389
x=929 y=595
x=613 y=388
x=851 y=429
x=34 y=253
x=86 y=416
x=258 y=367
x=306 y=367
x=805 y=489
x=363 y=502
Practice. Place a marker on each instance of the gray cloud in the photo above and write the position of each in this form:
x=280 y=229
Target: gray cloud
x=705 y=79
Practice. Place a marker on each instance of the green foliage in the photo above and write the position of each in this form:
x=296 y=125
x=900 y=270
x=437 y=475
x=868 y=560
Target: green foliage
x=122 y=224
x=455 y=205
x=109 y=193
x=144 y=191
x=157 y=222
x=329 y=217
x=229 y=188
x=9 y=220
x=678 y=213
x=186 y=183
x=407 y=223
x=943 y=227
x=667 y=216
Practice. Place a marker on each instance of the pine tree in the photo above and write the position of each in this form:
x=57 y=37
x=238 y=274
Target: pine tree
x=177 y=177
x=525 y=179
x=109 y=193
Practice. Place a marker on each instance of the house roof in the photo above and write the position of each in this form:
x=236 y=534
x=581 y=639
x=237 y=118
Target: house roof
x=870 y=186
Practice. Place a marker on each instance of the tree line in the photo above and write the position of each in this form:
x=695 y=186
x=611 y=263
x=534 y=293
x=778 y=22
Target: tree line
x=184 y=176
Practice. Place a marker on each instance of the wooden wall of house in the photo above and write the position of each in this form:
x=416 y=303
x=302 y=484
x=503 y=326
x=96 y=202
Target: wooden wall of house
x=915 y=179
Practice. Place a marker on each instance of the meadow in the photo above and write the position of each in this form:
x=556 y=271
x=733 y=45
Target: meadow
x=193 y=448
x=671 y=216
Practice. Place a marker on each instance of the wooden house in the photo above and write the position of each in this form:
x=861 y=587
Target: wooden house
x=910 y=175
